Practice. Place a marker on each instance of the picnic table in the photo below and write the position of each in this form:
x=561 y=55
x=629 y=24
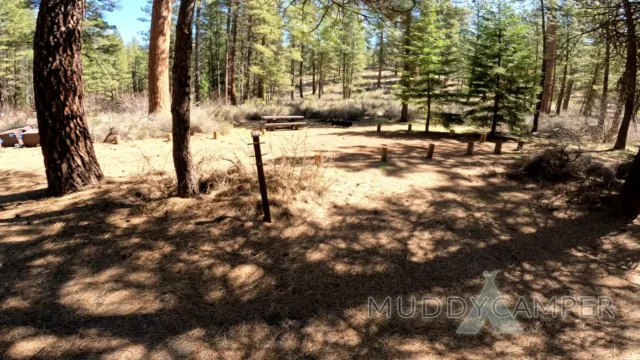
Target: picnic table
x=272 y=121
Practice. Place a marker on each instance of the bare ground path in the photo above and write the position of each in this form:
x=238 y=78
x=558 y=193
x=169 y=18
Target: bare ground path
x=108 y=274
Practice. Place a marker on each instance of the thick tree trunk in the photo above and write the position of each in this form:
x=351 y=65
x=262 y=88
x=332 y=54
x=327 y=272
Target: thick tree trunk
x=404 y=115
x=630 y=195
x=69 y=159
x=159 y=47
x=180 y=105
x=196 y=70
x=380 y=58
x=630 y=76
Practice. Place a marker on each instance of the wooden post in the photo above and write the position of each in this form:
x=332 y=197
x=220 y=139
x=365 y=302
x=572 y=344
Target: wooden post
x=169 y=137
x=379 y=127
x=498 y=149
x=318 y=160
x=483 y=138
x=385 y=153
x=520 y=145
x=452 y=133
x=410 y=125
x=432 y=148
x=215 y=135
x=263 y=131
x=261 y=179
x=470 y=148
x=116 y=139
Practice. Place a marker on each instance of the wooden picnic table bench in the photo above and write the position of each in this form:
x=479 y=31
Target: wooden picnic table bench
x=272 y=121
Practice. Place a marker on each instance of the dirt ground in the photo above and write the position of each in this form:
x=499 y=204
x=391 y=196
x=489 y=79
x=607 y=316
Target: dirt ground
x=110 y=274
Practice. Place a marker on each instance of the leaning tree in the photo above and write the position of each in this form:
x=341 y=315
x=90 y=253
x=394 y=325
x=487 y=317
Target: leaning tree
x=69 y=158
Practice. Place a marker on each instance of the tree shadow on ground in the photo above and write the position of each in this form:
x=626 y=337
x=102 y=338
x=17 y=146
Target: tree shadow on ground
x=104 y=273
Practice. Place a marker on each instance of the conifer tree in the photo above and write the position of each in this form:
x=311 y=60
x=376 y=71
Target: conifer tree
x=501 y=69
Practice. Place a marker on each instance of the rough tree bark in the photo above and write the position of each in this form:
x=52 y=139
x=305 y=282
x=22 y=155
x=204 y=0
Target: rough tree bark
x=159 y=47
x=630 y=76
x=180 y=104
x=69 y=159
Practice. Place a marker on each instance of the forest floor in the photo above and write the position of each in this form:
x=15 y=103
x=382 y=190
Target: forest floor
x=121 y=271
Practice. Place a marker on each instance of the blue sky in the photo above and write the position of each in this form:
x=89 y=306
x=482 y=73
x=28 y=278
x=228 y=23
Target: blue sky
x=126 y=19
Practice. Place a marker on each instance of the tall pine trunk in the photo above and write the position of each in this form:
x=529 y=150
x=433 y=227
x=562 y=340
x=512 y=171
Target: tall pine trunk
x=380 y=58
x=232 y=59
x=630 y=76
x=604 y=100
x=550 y=54
x=404 y=115
x=69 y=159
x=248 y=89
x=180 y=104
x=159 y=48
x=567 y=96
x=543 y=75
x=226 y=56
x=198 y=96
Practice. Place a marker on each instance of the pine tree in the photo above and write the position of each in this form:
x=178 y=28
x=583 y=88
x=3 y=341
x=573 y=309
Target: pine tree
x=501 y=77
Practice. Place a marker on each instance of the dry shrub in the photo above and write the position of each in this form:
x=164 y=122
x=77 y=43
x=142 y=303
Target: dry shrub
x=291 y=176
x=560 y=165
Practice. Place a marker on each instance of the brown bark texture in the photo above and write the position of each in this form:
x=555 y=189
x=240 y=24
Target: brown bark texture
x=181 y=101
x=69 y=157
x=159 y=48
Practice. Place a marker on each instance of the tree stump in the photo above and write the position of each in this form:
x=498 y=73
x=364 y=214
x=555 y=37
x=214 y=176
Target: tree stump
x=520 y=145
x=319 y=160
x=385 y=153
x=410 y=125
x=116 y=139
x=483 y=138
x=169 y=137
x=215 y=135
x=379 y=127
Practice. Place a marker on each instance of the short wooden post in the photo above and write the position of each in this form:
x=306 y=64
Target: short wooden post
x=483 y=138
x=520 y=145
x=470 y=148
x=410 y=125
x=215 y=135
x=452 y=133
x=498 y=149
x=263 y=131
x=379 y=127
x=385 y=153
x=318 y=160
x=432 y=148
x=261 y=179
x=116 y=139
x=169 y=137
